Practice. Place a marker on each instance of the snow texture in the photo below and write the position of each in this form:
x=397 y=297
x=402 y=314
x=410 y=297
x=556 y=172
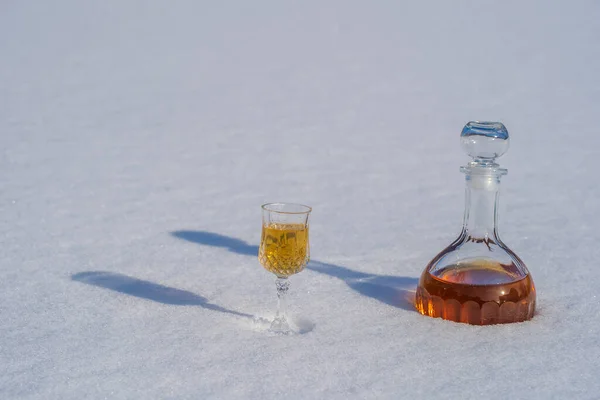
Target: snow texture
x=139 y=139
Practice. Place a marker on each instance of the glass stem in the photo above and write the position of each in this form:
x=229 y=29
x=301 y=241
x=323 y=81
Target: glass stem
x=282 y=285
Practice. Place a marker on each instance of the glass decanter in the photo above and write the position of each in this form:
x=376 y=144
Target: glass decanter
x=478 y=279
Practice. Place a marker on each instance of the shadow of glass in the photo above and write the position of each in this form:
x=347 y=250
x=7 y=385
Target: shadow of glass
x=388 y=289
x=149 y=290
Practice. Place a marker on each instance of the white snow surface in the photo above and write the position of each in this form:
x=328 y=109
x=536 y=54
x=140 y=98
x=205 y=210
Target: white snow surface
x=139 y=139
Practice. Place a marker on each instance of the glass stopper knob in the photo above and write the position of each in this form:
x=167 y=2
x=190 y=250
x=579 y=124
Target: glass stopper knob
x=484 y=141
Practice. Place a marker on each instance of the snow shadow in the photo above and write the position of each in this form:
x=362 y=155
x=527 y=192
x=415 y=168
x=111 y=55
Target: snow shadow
x=396 y=291
x=214 y=239
x=149 y=290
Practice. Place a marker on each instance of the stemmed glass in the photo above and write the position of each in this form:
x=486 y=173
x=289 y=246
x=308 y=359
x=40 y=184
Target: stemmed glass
x=284 y=251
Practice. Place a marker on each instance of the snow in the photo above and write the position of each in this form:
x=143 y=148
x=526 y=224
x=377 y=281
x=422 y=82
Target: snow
x=139 y=139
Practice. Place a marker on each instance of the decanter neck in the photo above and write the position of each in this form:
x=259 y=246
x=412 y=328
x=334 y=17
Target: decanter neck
x=481 y=205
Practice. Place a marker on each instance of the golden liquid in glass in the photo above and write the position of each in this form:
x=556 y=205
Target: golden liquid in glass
x=481 y=293
x=284 y=248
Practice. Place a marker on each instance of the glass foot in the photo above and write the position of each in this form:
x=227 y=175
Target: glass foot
x=280 y=326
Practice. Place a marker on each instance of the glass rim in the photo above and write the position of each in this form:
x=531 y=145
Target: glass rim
x=268 y=207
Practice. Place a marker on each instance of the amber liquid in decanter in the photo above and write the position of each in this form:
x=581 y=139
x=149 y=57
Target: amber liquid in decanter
x=458 y=294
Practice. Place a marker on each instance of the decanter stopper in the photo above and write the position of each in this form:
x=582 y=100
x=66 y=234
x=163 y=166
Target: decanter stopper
x=484 y=142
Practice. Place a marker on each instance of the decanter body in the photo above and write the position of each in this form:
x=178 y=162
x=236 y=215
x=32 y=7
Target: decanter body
x=478 y=279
